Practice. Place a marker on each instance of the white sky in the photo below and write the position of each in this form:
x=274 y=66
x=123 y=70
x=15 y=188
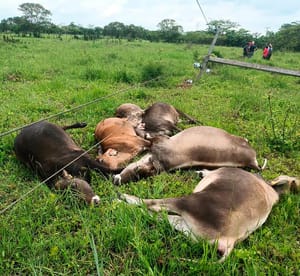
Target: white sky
x=257 y=16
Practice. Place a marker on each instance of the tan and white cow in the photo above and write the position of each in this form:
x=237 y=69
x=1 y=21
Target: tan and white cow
x=119 y=142
x=225 y=207
x=201 y=146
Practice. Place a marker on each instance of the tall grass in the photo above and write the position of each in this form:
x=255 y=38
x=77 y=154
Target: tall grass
x=50 y=233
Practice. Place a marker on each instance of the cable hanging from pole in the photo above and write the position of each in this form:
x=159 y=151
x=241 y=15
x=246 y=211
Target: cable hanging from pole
x=202 y=12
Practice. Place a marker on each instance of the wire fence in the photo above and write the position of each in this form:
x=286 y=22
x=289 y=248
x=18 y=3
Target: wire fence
x=25 y=195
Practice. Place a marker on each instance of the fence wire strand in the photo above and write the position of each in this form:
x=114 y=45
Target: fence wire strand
x=47 y=179
x=77 y=107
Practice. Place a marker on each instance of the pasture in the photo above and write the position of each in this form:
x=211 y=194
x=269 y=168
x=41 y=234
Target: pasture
x=51 y=233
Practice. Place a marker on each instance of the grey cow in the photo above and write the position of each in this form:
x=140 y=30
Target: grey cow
x=201 y=146
x=226 y=206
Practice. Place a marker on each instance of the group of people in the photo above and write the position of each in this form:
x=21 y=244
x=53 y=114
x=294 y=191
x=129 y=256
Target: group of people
x=250 y=48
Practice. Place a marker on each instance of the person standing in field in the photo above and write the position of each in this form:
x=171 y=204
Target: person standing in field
x=246 y=49
x=249 y=49
x=252 y=48
x=267 y=52
x=270 y=51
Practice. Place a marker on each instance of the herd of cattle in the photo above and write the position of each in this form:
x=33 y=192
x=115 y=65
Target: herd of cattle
x=226 y=206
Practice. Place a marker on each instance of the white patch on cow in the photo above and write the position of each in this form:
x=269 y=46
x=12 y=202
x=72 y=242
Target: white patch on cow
x=117 y=179
x=95 y=200
x=206 y=181
x=131 y=199
x=180 y=224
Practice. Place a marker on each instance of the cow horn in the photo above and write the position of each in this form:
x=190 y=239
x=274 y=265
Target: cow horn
x=66 y=175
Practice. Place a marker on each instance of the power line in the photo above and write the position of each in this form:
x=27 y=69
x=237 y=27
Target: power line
x=202 y=12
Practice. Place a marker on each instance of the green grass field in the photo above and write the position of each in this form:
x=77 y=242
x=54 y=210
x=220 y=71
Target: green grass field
x=50 y=233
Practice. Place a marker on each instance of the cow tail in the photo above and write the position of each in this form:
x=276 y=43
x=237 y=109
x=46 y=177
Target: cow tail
x=76 y=125
x=190 y=119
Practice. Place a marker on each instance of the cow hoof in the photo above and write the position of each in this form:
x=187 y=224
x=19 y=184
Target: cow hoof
x=117 y=179
x=95 y=200
x=131 y=199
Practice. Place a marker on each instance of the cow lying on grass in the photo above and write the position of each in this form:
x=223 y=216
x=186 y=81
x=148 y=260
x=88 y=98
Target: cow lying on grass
x=202 y=146
x=47 y=148
x=226 y=206
x=119 y=142
x=158 y=119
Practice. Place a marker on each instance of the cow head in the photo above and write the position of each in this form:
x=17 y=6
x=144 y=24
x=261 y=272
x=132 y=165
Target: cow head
x=130 y=111
x=79 y=185
x=136 y=170
x=113 y=159
x=284 y=184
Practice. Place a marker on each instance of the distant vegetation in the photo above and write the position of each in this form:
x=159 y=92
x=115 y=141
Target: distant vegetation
x=36 y=21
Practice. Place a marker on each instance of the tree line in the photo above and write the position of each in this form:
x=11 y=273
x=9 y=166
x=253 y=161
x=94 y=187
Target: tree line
x=36 y=21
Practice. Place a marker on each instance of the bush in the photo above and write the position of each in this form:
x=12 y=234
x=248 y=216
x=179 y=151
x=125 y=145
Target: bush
x=152 y=74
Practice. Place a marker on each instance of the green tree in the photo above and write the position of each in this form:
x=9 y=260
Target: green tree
x=114 y=29
x=170 y=31
x=224 y=25
x=288 y=37
x=37 y=16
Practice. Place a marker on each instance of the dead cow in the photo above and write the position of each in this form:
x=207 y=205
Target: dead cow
x=46 y=148
x=130 y=111
x=226 y=206
x=119 y=142
x=158 y=119
x=202 y=146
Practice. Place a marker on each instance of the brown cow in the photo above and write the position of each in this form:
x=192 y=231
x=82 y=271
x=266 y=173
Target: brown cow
x=46 y=148
x=226 y=206
x=202 y=146
x=130 y=111
x=119 y=142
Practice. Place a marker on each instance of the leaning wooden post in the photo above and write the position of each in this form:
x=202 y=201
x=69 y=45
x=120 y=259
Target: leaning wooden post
x=206 y=58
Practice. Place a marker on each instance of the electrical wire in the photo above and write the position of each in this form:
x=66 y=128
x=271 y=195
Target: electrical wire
x=203 y=14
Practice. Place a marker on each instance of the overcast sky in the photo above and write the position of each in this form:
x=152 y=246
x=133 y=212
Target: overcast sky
x=257 y=16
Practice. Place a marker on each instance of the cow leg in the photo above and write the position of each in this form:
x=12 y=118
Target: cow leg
x=130 y=199
x=225 y=246
x=136 y=170
x=180 y=225
x=203 y=173
x=156 y=205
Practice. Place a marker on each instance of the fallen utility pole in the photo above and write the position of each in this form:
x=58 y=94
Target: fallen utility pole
x=254 y=66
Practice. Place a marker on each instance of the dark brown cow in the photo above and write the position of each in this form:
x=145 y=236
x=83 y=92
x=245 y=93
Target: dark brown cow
x=158 y=119
x=119 y=142
x=47 y=148
x=226 y=206
x=202 y=146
